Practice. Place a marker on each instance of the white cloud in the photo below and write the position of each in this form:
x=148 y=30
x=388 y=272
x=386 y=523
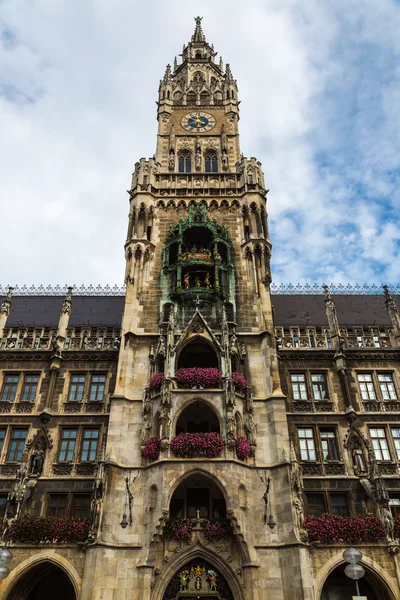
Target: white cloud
x=319 y=86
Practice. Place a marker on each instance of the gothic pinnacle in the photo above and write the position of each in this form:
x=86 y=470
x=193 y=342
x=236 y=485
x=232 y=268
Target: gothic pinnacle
x=198 y=35
x=167 y=74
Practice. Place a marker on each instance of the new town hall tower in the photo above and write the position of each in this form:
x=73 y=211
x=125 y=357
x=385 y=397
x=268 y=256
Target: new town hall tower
x=181 y=438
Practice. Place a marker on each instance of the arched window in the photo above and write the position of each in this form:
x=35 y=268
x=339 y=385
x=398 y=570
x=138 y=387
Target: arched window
x=184 y=162
x=211 y=162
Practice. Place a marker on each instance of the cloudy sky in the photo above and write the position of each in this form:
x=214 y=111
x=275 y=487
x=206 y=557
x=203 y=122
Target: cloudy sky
x=319 y=85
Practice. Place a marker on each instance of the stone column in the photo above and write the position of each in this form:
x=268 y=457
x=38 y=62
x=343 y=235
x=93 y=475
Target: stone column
x=5 y=309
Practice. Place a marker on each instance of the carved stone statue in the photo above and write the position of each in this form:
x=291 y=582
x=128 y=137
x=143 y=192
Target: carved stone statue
x=359 y=463
x=250 y=428
x=165 y=422
x=224 y=161
x=37 y=460
x=171 y=161
x=230 y=423
x=387 y=521
x=146 y=428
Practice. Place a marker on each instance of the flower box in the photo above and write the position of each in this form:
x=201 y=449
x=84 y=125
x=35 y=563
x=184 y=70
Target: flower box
x=180 y=529
x=215 y=529
x=197 y=377
x=191 y=445
x=50 y=530
x=156 y=381
x=239 y=380
x=152 y=448
x=333 y=529
x=243 y=448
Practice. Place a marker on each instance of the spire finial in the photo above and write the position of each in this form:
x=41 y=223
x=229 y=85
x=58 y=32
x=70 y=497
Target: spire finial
x=198 y=35
x=228 y=72
x=167 y=74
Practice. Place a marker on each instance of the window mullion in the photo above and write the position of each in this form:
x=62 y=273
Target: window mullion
x=376 y=383
x=309 y=388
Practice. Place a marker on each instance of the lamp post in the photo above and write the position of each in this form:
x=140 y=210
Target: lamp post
x=354 y=570
x=5 y=557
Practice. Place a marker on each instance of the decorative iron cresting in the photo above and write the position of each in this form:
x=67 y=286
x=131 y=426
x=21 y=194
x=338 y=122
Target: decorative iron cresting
x=282 y=288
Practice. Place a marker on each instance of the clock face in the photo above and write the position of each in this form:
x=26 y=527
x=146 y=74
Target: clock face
x=198 y=122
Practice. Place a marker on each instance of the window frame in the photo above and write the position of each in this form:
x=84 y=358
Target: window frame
x=90 y=441
x=211 y=161
x=75 y=391
x=325 y=382
x=374 y=388
x=97 y=385
x=314 y=505
x=14 y=386
x=74 y=507
x=297 y=384
x=333 y=442
x=30 y=385
x=184 y=160
x=17 y=451
x=327 y=504
x=68 y=441
x=392 y=382
x=52 y=495
x=378 y=438
x=307 y=448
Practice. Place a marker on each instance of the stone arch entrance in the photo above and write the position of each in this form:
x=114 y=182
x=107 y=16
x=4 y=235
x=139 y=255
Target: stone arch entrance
x=40 y=583
x=339 y=587
x=198 y=578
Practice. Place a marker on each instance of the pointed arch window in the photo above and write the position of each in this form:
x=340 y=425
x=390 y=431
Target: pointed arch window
x=211 y=162
x=184 y=161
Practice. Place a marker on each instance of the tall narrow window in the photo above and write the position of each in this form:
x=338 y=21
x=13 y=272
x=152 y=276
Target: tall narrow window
x=320 y=389
x=81 y=506
x=3 y=504
x=307 y=444
x=67 y=445
x=97 y=384
x=89 y=444
x=316 y=504
x=366 y=386
x=2 y=437
x=76 y=388
x=339 y=504
x=30 y=388
x=387 y=386
x=299 y=386
x=329 y=445
x=211 y=162
x=9 y=388
x=379 y=444
x=396 y=438
x=17 y=444
x=57 y=505
x=184 y=161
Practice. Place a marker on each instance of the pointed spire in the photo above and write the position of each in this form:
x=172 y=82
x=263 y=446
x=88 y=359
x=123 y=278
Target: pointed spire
x=172 y=138
x=393 y=312
x=228 y=73
x=167 y=74
x=175 y=64
x=6 y=304
x=221 y=64
x=198 y=35
x=331 y=314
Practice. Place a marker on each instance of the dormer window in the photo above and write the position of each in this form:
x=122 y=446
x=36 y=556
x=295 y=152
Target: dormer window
x=184 y=161
x=211 y=162
x=198 y=55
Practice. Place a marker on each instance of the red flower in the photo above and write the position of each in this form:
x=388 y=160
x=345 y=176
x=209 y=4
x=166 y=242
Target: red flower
x=152 y=448
x=156 y=381
x=190 y=445
x=243 y=448
x=197 y=377
x=239 y=380
x=51 y=530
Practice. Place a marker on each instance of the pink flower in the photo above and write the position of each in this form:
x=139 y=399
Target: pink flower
x=243 y=448
x=198 y=377
x=190 y=445
x=156 y=381
x=152 y=448
x=239 y=380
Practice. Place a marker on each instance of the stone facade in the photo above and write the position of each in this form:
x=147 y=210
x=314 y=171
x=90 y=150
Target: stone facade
x=306 y=384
